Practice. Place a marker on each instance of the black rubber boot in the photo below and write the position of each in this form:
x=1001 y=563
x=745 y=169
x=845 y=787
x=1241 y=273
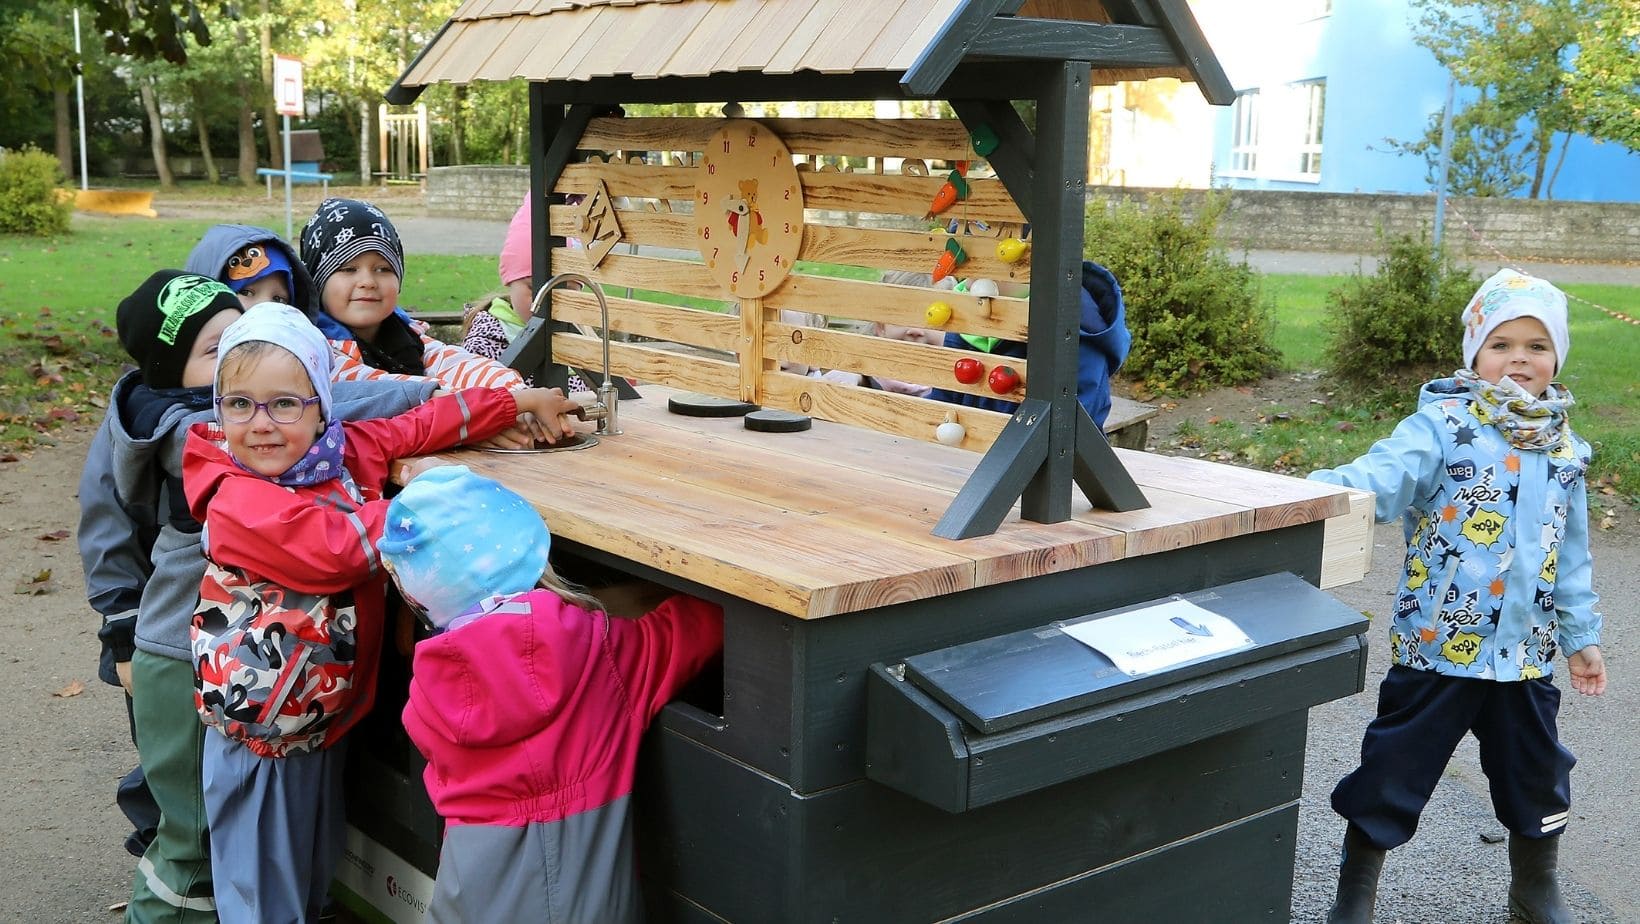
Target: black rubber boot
x=1534 y=889
x=1357 y=880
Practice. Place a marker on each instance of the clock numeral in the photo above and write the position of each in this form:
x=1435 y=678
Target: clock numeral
x=706 y=233
x=788 y=227
x=751 y=140
x=714 y=253
x=734 y=278
x=725 y=145
x=788 y=195
x=777 y=259
x=711 y=169
x=705 y=197
x=760 y=276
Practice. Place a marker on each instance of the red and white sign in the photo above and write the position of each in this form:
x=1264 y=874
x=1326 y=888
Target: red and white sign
x=287 y=86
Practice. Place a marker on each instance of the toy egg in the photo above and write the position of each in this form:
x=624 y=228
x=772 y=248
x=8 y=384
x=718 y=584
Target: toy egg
x=937 y=314
x=1011 y=250
x=950 y=433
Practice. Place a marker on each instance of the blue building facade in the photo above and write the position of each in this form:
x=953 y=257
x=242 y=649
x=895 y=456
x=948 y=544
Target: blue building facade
x=1322 y=83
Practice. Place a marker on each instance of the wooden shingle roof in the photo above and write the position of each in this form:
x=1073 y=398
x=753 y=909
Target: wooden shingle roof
x=925 y=40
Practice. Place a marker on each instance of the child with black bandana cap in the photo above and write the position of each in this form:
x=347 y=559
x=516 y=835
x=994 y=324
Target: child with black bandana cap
x=354 y=255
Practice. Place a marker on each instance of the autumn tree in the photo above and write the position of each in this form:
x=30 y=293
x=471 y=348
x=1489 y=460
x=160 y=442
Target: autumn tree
x=1548 y=66
x=1604 y=90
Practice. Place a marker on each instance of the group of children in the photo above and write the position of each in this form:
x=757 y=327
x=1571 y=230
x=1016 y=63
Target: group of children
x=238 y=539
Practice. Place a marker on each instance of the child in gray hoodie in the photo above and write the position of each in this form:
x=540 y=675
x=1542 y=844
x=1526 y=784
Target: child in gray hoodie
x=141 y=552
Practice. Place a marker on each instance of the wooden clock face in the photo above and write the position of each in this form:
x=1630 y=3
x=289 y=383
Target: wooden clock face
x=748 y=208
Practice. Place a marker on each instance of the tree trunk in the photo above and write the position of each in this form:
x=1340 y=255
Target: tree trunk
x=211 y=173
x=270 y=118
x=458 y=106
x=65 y=132
x=156 y=132
x=1540 y=141
x=247 y=139
x=247 y=120
x=364 y=143
x=1549 y=191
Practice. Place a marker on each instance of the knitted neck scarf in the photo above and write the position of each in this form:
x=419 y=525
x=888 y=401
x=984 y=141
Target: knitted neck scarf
x=1526 y=421
x=322 y=462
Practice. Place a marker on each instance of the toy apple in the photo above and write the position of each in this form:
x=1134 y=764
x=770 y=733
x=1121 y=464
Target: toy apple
x=1003 y=379
x=968 y=370
x=937 y=314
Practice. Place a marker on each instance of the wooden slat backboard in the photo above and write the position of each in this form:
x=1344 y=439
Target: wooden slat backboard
x=867 y=184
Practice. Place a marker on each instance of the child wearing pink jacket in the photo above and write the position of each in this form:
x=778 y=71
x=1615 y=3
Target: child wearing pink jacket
x=528 y=703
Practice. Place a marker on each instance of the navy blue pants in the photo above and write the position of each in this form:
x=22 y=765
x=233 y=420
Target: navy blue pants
x=1421 y=718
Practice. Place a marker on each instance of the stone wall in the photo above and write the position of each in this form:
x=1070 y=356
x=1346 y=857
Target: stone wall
x=1520 y=229
x=477 y=190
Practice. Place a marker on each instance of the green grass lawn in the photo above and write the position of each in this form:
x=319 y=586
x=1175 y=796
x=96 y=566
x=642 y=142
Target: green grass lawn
x=1300 y=439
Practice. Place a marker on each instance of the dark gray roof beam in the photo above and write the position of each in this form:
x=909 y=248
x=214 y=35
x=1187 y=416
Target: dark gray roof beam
x=927 y=74
x=1101 y=44
x=1180 y=23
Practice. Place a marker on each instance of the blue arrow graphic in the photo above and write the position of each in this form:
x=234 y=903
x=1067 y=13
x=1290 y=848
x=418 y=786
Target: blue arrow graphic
x=1191 y=627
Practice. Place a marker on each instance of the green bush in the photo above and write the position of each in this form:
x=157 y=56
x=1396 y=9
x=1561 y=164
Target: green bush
x=1401 y=323
x=1196 y=318
x=29 y=199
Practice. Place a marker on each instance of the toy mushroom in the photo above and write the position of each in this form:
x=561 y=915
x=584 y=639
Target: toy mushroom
x=984 y=290
x=950 y=433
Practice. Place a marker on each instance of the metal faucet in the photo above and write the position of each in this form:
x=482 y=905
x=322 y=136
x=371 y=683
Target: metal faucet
x=603 y=410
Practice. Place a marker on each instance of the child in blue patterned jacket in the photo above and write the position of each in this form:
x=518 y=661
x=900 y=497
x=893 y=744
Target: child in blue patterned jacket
x=1497 y=579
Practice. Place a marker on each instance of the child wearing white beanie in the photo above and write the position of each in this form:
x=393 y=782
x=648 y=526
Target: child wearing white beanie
x=1497 y=581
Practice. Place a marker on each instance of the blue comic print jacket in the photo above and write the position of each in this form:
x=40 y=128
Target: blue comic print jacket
x=1497 y=569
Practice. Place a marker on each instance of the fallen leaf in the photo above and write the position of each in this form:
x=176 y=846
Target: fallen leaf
x=75 y=688
x=37 y=585
x=1344 y=426
x=9 y=457
x=56 y=536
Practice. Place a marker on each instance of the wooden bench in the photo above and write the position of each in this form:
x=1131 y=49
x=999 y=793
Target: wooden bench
x=1128 y=424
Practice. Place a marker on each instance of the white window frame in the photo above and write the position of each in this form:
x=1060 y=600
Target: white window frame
x=1311 y=96
x=1276 y=133
x=1244 y=133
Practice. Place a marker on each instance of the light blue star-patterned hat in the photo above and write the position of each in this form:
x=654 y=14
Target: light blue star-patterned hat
x=453 y=538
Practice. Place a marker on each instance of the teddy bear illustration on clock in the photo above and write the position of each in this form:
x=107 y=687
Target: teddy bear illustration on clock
x=748 y=208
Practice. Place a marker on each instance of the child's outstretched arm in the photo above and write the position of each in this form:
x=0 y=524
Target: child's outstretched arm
x=665 y=648
x=1401 y=469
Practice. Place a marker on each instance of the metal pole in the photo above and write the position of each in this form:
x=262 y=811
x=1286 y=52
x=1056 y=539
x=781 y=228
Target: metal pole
x=1444 y=167
x=79 y=93
x=287 y=177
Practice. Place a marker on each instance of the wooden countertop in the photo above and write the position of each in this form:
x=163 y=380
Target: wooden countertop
x=838 y=519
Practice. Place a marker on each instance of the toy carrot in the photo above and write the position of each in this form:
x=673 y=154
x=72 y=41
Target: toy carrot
x=954 y=190
x=948 y=262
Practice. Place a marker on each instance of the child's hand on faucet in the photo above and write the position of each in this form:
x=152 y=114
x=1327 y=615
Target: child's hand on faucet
x=543 y=413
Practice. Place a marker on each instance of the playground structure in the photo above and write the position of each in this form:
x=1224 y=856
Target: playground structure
x=403 y=145
x=875 y=572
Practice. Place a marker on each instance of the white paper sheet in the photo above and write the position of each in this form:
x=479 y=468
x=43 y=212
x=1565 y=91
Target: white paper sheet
x=1159 y=637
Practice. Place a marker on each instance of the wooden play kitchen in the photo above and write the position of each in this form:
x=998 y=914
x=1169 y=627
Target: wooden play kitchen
x=977 y=665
